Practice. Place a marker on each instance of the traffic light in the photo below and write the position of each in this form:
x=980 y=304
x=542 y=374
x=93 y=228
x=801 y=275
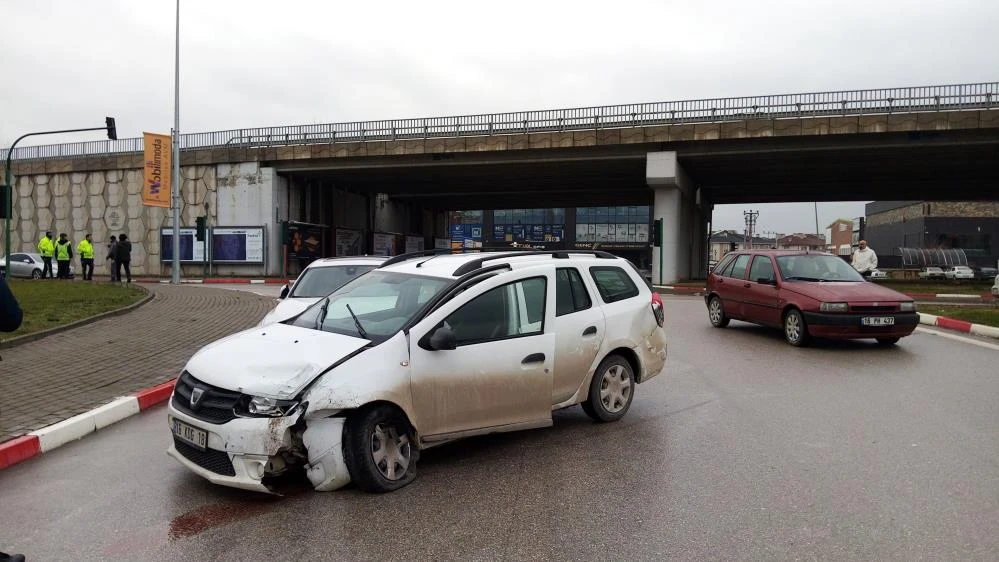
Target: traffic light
x=657 y=232
x=200 y=236
x=3 y=203
x=112 y=130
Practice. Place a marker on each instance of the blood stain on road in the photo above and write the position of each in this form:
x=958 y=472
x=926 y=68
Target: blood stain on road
x=211 y=516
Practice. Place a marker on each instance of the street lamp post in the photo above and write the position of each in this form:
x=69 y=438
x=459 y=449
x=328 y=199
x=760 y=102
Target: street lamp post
x=8 y=195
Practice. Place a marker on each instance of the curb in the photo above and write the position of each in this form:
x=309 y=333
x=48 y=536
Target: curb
x=34 y=336
x=44 y=440
x=958 y=325
x=219 y=281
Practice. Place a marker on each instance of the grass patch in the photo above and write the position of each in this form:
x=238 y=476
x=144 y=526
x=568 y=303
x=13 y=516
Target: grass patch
x=987 y=315
x=965 y=288
x=48 y=304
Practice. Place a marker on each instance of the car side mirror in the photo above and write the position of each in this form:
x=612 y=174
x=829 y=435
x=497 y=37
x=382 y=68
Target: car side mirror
x=443 y=339
x=284 y=292
x=767 y=281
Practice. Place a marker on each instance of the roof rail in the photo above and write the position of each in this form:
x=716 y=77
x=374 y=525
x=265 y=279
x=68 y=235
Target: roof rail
x=406 y=257
x=557 y=254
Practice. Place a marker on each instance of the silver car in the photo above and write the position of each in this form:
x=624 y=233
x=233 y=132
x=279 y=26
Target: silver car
x=29 y=265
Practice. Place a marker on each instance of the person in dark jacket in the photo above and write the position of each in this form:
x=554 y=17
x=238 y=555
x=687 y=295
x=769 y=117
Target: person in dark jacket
x=10 y=312
x=112 y=258
x=124 y=255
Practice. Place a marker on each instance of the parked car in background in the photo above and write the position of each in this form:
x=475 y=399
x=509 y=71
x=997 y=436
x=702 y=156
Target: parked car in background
x=995 y=288
x=29 y=265
x=986 y=273
x=932 y=273
x=959 y=273
x=423 y=350
x=319 y=279
x=878 y=274
x=808 y=294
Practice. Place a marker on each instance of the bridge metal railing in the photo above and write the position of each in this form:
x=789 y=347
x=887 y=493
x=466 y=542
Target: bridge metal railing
x=844 y=103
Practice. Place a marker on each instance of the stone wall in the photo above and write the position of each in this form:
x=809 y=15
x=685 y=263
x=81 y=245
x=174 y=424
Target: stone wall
x=104 y=203
x=963 y=209
x=893 y=216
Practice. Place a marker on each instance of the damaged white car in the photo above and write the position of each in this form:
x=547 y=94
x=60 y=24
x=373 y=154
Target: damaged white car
x=425 y=349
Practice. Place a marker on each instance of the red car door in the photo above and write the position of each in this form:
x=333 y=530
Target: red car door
x=731 y=289
x=761 y=294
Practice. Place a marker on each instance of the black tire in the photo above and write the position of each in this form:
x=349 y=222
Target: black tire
x=717 y=317
x=795 y=329
x=614 y=374
x=36 y=273
x=363 y=439
x=887 y=342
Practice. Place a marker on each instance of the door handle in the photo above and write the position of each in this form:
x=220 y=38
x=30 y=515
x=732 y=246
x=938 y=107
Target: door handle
x=533 y=358
x=746 y=285
x=590 y=331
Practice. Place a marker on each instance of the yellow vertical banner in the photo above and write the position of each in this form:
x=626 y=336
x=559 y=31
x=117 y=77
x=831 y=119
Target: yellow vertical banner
x=157 y=155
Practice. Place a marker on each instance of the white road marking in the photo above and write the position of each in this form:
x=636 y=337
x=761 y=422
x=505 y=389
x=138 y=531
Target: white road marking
x=958 y=338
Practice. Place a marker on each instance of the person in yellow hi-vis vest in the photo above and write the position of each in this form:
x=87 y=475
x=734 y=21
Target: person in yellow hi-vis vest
x=46 y=247
x=64 y=256
x=86 y=250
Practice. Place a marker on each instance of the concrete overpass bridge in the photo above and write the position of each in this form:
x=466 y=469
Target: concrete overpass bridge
x=401 y=176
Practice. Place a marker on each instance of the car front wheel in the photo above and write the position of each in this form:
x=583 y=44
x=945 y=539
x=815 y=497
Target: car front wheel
x=36 y=273
x=380 y=452
x=795 y=330
x=611 y=390
x=716 y=313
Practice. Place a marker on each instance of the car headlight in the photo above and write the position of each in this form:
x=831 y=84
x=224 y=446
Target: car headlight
x=834 y=307
x=908 y=306
x=260 y=406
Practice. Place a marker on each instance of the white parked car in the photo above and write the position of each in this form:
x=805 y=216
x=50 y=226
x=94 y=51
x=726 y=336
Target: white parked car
x=319 y=279
x=878 y=274
x=959 y=272
x=421 y=351
x=932 y=273
x=995 y=288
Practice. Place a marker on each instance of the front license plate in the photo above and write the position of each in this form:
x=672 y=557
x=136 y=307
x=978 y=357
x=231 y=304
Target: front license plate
x=190 y=434
x=878 y=320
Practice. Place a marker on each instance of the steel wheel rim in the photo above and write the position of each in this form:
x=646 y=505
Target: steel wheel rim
x=615 y=389
x=714 y=311
x=391 y=451
x=792 y=327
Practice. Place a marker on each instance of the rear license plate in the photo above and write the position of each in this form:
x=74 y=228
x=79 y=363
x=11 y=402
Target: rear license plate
x=189 y=434
x=878 y=320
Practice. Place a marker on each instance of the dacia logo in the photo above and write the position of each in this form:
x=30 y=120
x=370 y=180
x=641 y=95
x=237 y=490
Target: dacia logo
x=196 y=394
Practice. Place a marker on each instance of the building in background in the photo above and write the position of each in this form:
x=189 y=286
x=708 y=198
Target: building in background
x=801 y=241
x=839 y=237
x=725 y=241
x=970 y=226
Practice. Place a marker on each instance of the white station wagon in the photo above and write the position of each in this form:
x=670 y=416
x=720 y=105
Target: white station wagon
x=423 y=350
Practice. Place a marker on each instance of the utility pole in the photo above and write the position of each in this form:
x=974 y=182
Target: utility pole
x=750 y=218
x=175 y=265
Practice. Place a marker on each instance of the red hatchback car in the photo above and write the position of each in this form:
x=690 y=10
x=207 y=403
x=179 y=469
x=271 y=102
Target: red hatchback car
x=808 y=294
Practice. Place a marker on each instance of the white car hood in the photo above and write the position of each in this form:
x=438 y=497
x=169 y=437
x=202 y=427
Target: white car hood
x=275 y=361
x=287 y=308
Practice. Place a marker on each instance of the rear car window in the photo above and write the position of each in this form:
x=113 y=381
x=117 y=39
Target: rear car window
x=739 y=267
x=726 y=261
x=613 y=283
x=570 y=292
x=762 y=268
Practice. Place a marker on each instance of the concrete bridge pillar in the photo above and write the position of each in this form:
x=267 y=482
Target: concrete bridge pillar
x=674 y=202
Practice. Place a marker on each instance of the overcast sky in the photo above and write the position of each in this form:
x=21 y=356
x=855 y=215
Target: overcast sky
x=247 y=63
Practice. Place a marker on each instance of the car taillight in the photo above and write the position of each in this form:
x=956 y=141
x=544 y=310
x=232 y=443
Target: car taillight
x=658 y=310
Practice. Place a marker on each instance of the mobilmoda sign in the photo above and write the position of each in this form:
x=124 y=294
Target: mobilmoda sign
x=156 y=173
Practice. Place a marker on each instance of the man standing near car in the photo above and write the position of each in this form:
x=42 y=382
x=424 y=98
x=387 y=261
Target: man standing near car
x=123 y=253
x=64 y=255
x=46 y=247
x=86 y=250
x=865 y=261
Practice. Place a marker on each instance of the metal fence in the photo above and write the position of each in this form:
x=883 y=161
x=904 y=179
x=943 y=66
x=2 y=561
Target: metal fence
x=845 y=103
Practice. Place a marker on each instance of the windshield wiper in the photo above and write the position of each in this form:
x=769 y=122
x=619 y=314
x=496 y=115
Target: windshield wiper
x=360 y=329
x=322 y=314
x=800 y=278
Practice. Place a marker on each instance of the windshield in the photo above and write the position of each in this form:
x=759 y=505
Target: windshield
x=380 y=304
x=816 y=268
x=321 y=281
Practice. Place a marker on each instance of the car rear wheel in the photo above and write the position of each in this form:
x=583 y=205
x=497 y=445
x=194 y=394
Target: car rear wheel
x=795 y=330
x=381 y=453
x=716 y=313
x=611 y=390
x=36 y=273
x=887 y=342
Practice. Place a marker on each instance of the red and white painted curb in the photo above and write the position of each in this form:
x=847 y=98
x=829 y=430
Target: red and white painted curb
x=48 y=438
x=958 y=325
x=220 y=281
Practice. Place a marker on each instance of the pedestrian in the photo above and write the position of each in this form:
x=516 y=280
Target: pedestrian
x=11 y=316
x=864 y=260
x=46 y=247
x=64 y=255
x=86 y=250
x=112 y=258
x=123 y=254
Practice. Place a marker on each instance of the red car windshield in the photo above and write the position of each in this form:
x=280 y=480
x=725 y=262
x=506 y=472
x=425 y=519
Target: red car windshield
x=816 y=268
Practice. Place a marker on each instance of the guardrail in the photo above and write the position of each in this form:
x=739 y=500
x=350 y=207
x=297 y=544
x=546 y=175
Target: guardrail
x=845 y=103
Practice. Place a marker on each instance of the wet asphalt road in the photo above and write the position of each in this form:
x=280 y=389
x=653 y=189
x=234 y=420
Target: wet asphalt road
x=746 y=449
